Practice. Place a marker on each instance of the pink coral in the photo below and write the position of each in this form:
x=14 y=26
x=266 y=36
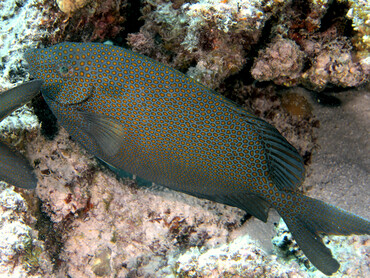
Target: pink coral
x=64 y=176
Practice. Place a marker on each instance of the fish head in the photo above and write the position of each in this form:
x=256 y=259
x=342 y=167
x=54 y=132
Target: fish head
x=66 y=69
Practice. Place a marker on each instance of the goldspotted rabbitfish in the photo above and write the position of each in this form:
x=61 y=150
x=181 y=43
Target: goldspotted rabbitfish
x=14 y=168
x=150 y=120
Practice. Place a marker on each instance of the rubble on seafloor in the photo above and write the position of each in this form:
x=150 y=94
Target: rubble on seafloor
x=83 y=222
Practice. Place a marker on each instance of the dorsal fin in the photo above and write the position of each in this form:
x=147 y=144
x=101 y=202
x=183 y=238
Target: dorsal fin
x=285 y=163
x=250 y=203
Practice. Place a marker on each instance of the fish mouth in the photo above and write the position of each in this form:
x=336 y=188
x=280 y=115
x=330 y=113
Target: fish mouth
x=32 y=56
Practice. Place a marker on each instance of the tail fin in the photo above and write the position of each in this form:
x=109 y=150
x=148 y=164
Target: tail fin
x=307 y=217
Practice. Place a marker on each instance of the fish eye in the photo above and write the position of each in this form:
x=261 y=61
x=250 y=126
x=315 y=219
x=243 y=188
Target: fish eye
x=65 y=70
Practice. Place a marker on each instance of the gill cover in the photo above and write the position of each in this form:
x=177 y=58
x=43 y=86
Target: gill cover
x=68 y=77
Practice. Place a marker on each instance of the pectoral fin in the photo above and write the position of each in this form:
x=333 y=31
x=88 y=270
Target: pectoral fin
x=106 y=132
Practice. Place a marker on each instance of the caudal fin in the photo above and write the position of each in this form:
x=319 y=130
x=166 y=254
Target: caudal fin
x=15 y=169
x=307 y=217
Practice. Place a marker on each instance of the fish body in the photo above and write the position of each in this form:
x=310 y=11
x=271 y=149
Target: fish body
x=14 y=168
x=150 y=120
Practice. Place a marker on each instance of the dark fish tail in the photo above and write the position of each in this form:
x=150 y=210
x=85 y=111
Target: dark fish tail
x=15 y=97
x=15 y=169
x=307 y=217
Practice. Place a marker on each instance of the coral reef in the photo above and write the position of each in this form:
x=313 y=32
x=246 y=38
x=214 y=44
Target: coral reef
x=122 y=230
x=281 y=62
x=209 y=39
x=64 y=175
x=112 y=222
x=20 y=22
x=18 y=241
x=212 y=40
x=83 y=20
x=325 y=56
x=334 y=64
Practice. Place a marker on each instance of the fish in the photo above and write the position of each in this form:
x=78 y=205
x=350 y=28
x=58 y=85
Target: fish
x=145 y=118
x=15 y=168
x=14 y=98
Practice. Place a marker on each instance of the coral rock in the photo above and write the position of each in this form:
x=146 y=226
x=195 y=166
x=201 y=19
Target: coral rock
x=359 y=13
x=335 y=65
x=281 y=61
x=210 y=39
x=69 y=6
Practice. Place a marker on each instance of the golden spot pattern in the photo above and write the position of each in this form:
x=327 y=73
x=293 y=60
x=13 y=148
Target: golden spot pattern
x=178 y=132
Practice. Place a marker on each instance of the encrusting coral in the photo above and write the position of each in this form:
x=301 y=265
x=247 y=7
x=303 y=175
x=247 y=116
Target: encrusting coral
x=325 y=55
x=281 y=61
x=83 y=20
x=334 y=64
x=209 y=38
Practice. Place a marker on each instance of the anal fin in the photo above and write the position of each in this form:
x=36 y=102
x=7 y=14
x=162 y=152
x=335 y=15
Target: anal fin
x=250 y=203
